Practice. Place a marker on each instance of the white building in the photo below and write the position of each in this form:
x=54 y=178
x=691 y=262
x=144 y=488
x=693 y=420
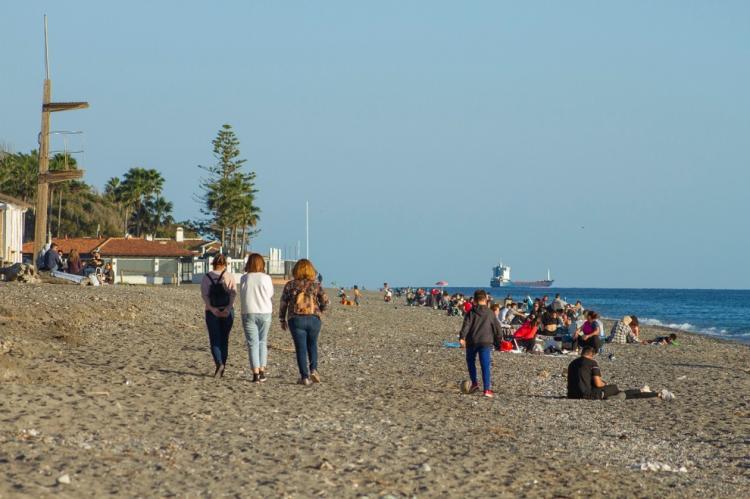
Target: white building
x=12 y=212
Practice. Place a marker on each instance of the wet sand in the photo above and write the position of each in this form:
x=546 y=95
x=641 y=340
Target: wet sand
x=111 y=387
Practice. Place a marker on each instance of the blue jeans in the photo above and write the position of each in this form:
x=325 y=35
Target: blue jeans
x=305 y=330
x=218 y=336
x=256 y=328
x=485 y=358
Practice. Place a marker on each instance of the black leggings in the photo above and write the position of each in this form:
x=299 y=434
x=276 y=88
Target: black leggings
x=594 y=341
x=611 y=390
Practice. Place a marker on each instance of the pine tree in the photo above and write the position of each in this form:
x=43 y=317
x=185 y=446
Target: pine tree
x=228 y=194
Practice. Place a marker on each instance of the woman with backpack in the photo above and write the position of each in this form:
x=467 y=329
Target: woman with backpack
x=302 y=302
x=256 y=291
x=219 y=290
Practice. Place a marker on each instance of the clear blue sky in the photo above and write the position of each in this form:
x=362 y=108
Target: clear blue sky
x=607 y=141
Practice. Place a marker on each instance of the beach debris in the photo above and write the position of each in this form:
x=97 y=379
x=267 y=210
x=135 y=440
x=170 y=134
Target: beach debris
x=28 y=434
x=657 y=466
x=426 y=468
x=666 y=395
x=64 y=479
x=325 y=466
x=682 y=377
x=5 y=346
x=20 y=272
x=543 y=374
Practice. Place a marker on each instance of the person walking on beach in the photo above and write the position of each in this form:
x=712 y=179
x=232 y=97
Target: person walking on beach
x=219 y=290
x=585 y=382
x=479 y=335
x=302 y=303
x=357 y=295
x=256 y=291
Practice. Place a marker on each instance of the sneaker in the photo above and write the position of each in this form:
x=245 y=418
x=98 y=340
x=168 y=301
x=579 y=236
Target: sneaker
x=256 y=378
x=489 y=394
x=262 y=377
x=666 y=395
x=474 y=388
x=304 y=381
x=315 y=377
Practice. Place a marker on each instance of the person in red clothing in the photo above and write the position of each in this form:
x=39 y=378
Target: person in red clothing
x=525 y=336
x=468 y=305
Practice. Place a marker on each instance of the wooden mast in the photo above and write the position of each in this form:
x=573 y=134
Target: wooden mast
x=45 y=177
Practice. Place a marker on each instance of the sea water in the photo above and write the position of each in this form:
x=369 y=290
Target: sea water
x=716 y=312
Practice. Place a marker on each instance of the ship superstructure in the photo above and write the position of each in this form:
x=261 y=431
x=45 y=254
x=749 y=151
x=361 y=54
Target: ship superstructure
x=501 y=279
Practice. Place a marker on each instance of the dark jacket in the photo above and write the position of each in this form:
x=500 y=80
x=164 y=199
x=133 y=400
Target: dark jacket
x=52 y=260
x=481 y=328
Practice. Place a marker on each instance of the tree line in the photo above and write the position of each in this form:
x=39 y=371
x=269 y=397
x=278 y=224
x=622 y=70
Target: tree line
x=134 y=203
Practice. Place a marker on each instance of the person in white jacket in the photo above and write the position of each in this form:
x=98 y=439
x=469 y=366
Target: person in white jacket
x=256 y=291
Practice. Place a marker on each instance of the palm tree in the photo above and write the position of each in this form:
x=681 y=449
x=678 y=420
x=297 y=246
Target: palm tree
x=138 y=187
x=159 y=213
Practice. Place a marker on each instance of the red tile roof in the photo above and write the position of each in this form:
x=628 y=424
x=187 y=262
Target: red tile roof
x=133 y=246
x=84 y=245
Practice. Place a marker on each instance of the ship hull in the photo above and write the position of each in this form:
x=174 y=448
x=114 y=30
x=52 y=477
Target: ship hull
x=521 y=284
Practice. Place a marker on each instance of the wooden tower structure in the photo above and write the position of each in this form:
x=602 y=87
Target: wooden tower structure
x=45 y=176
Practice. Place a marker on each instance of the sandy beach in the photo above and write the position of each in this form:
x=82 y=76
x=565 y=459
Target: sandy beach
x=107 y=391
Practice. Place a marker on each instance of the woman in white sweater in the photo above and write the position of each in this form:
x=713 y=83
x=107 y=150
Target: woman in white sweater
x=256 y=291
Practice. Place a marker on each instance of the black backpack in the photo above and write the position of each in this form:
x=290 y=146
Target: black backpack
x=218 y=295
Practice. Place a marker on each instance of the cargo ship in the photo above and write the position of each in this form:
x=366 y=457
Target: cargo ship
x=501 y=279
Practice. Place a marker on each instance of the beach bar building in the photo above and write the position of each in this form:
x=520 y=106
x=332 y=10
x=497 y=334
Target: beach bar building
x=151 y=260
x=12 y=214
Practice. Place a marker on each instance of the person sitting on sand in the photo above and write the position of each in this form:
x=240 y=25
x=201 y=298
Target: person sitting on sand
x=585 y=382
x=589 y=333
x=479 y=335
x=578 y=309
x=550 y=323
x=525 y=335
x=75 y=266
x=219 y=290
x=256 y=292
x=635 y=326
x=108 y=274
x=558 y=303
x=663 y=340
x=302 y=303
x=52 y=260
x=567 y=332
x=468 y=305
x=94 y=265
x=622 y=333
x=495 y=307
x=515 y=315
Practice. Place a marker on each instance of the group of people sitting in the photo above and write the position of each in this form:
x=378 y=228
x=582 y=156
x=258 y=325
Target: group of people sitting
x=51 y=260
x=566 y=327
x=455 y=305
x=482 y=332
